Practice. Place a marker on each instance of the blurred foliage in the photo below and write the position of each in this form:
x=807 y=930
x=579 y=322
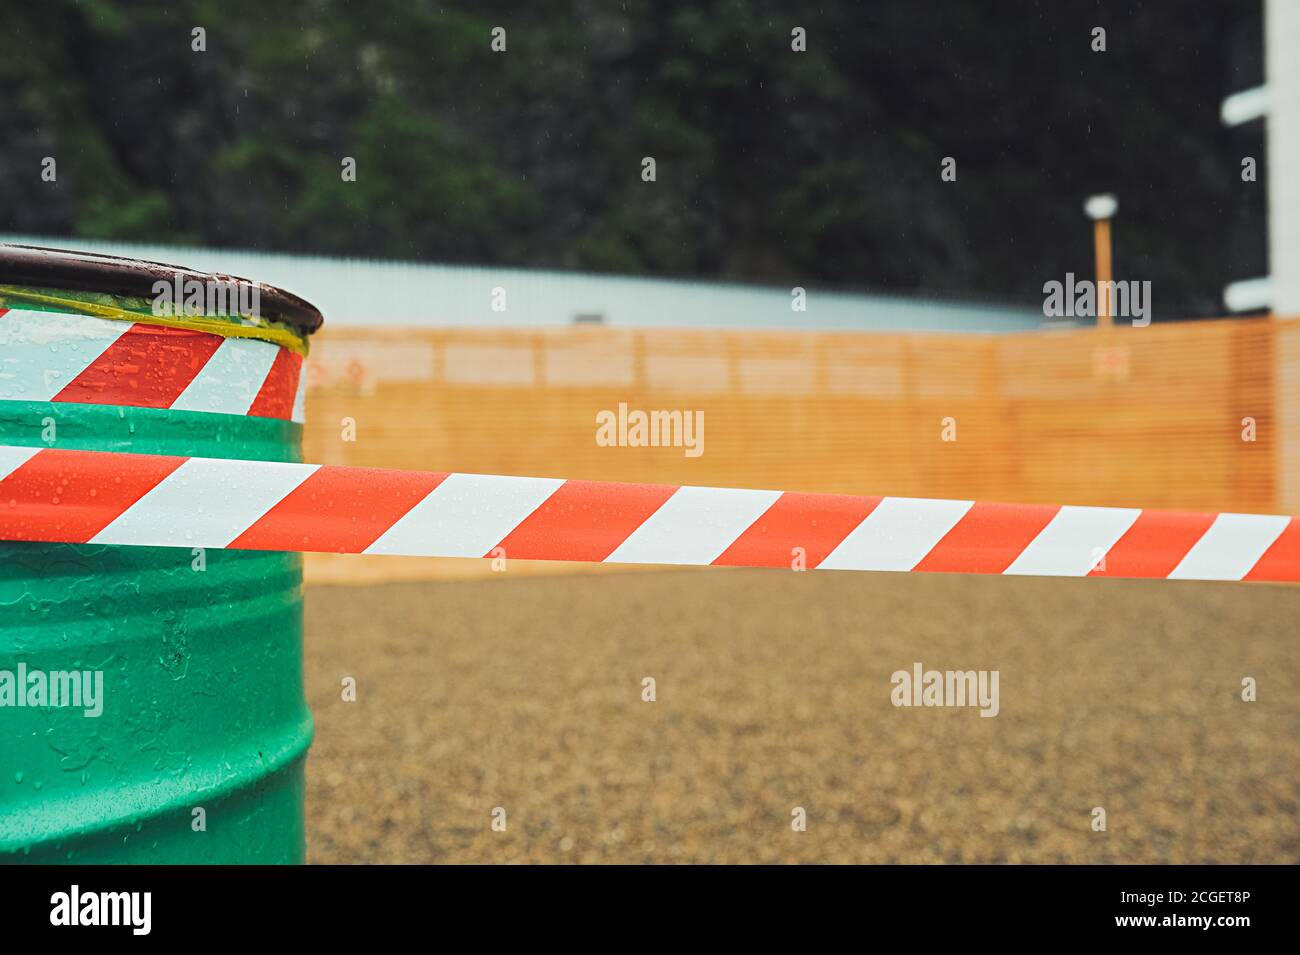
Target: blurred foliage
x=816 y=168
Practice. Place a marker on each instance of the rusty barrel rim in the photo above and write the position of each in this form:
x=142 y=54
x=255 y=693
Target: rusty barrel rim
x=41 y=267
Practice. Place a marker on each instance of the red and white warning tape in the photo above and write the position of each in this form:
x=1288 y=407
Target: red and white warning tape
x=58 y=356
x=110 y=498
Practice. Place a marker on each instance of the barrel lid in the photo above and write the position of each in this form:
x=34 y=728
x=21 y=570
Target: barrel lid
x=114 y=275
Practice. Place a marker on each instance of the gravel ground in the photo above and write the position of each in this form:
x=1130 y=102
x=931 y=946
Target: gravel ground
x=773 y=691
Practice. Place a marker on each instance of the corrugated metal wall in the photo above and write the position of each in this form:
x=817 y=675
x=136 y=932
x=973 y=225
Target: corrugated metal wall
x=359 y=292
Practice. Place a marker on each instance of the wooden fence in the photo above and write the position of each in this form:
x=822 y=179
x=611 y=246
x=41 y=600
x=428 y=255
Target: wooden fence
x=1187 y=415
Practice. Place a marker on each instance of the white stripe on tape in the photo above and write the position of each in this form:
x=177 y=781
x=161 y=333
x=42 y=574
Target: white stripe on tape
x=1074 y=541
x=42 y=352
x=693 y=526
x=231 y=379
x=1230 y=547
x=465 y=516
x=896 y=535
x=206 y=502
x=11 y=459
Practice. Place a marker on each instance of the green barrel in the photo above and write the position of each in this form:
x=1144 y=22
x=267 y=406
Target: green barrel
x=197 y=755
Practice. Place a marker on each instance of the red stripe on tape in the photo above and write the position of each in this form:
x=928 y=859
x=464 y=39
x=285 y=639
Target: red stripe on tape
x=333 y=512
x=148 y=367
x=1282 y=559
x=987 y=538
x=584 y=520
x=275 y=398
x=1154 y=545
x=815 y=522
x=69 y=496
x=3 y=311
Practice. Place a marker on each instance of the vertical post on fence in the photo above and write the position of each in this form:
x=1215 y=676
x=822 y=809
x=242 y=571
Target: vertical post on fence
x=1101 y=208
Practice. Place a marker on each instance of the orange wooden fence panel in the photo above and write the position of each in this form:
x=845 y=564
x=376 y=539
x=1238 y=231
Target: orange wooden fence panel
x=1186 y=415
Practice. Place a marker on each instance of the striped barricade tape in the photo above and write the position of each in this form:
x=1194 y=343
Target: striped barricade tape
x=139 y=499
x=60 y=356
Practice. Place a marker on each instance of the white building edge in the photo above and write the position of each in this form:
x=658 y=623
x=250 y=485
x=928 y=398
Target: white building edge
x=1277 y=102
